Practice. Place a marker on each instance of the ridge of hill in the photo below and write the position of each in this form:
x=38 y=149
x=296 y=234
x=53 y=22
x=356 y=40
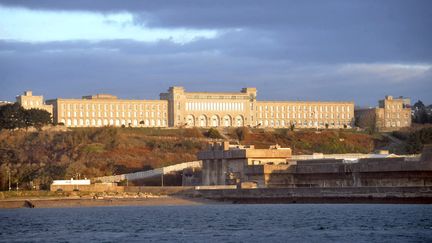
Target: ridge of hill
x=36 y=158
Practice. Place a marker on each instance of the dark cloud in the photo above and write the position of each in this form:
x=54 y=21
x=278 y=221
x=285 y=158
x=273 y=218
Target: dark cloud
x=311 y=31
x=73 y=69
x=288 y=49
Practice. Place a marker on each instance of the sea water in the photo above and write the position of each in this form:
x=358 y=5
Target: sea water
x=221 y=223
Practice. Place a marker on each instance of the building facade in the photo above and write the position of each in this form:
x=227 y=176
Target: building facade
x=107 y=110
x=30 y=101
x=225 y=164
x=205 y=109
x=178 y=108
x=391 y=114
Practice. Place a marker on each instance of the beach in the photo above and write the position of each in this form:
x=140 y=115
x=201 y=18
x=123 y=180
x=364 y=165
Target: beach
x=65 y=202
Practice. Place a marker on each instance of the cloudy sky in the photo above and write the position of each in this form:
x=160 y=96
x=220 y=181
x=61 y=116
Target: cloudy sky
x=290 y=50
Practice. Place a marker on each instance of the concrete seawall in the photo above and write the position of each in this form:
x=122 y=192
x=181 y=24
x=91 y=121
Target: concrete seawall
x=323 y=195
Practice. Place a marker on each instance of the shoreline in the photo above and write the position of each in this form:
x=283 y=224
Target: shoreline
x=62 y=202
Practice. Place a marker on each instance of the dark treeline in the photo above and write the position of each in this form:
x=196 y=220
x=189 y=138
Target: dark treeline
x=421 y=113
x=13 y=116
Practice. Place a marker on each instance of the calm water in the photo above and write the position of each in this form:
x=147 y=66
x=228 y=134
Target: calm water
x=227 y=223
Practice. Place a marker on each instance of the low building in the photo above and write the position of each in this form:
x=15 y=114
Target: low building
x=390 y=115
x=225 y=164
x=84 y=185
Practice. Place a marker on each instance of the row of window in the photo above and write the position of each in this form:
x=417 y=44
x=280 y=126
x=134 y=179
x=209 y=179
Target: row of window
x=309 y=108
x=396 y=124
x=214 y=106
x=112 y=122
x=113 y=106
x=300 y=123
x=305 y=115
x=31 y=103
x=113 y=114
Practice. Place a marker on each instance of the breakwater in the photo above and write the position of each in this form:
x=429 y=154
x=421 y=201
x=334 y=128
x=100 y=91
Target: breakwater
x=422 y=195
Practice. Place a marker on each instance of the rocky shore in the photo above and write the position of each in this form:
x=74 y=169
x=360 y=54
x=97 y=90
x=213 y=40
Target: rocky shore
x=33 y=200
x=89 y=202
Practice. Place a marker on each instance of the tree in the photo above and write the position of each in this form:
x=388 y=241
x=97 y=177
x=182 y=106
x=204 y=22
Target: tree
x=213 y=133
x=37 y=118
x=420 y=113
x=419 y=105
x=12 y=116
x=417 y=139
x=242 y=133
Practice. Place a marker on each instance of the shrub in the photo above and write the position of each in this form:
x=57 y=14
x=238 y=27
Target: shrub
x=214 y=133
x=242 y=133
x=192 y=133
x=417 y=139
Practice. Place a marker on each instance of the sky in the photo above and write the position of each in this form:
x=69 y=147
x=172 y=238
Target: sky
x=290 y=50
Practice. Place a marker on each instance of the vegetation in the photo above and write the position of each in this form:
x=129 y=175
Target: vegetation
x=214 y=133
x=13 y=116
x=41 y=156
x=416 y=140
x=422 y=113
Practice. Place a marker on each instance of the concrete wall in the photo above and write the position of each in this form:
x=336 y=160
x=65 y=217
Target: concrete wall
x=323 y=195
x=98 y=187
x=336 y=173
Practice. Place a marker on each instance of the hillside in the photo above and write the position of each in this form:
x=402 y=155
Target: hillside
x=42 y=156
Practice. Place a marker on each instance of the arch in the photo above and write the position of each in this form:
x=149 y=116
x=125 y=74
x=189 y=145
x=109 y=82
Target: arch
x=152 y=123
x=239 y=121
x=93 y=122
x=147 y=122
x=81 y=122
x=226 y=121
x=99 y=122
x=68 y=122
x=214 y=121
x=117 y=122
x=277 y=123
x=63 y=121
x=158 y=123
x=135 y=123
x=105 y=122
x=129 y=123
x=163 y=123
x=75 y=122
x=282 y=123
x=87 y=122
x=190 y=120
x=266 y=123
x=202 y=121
x=271 y=123
x=111 y=122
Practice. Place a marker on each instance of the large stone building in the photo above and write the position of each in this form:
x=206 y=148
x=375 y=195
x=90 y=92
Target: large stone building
x=30 y=101
x=178 y=108
x=205 y=109
x=391 y=114
x=107 y=110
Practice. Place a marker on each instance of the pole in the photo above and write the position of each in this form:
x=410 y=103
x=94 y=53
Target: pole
x=162 y=179
x=10 y=188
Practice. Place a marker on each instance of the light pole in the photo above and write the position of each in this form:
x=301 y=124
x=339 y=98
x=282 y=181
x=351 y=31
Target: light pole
x=10 y=188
